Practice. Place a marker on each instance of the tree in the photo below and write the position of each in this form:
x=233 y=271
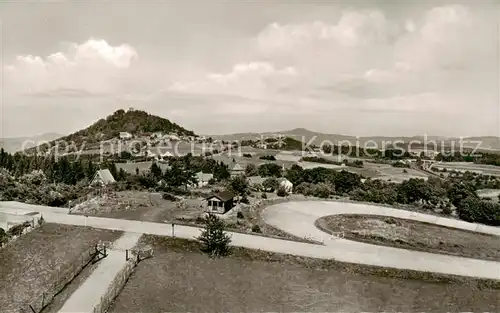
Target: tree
x=178 y=176
x=239 y=185
x=295 y=174
x=458 y=192
x=270 y=184
x=112 y=169
x=90 y=170
x=213 y=239
x=4 y=237
x=121 y=175
x=475 y=210
x=270 y=169
x=221 y=172
x=251 y=170
x=413 y=190
x=156 y=171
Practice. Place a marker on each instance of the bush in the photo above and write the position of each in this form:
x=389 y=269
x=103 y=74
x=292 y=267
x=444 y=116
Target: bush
x=447 y=210
x=4 y=237
x=244 y=200
x=214 y=240
x=322 y=190
x=305 y=188
x=256 y=229
x=251 y=170
x=239 y=215
x=321 y=160
x=475 y=210
x=400 y=164
x=270 y=184
x=281 y=192
x=268 y=157
x=169 y=197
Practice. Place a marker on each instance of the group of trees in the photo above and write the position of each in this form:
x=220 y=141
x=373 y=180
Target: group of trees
x=35 y=188
x=64 y=169
x=467 y=156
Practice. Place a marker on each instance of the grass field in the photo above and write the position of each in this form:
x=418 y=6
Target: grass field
x=391 y=173
x=178 y=278
x=465 y=166
x=407 y=234
x=29 y=264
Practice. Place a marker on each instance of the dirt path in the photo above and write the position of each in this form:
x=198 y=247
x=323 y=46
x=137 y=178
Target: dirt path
x=88 y=295
x=298 y=218
x=413 y=235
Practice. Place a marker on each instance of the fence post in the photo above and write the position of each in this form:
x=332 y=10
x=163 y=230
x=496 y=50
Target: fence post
x=126 y=255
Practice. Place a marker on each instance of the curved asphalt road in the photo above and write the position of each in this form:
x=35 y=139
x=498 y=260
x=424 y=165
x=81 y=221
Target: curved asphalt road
x=298 y=218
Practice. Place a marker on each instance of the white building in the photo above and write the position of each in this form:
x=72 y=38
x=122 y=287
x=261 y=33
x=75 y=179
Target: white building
x=237 y=170
x=103 y=177
x=286 y=185
x=125 y=135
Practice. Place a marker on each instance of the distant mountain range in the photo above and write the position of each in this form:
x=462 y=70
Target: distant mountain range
x=136 y=121
x=305 y=135
x=12 y=145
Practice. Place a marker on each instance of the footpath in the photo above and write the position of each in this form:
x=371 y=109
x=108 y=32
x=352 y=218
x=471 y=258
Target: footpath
x=89 y=294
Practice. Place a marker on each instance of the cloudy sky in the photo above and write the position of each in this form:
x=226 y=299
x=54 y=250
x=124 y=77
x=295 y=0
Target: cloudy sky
x=359 y=68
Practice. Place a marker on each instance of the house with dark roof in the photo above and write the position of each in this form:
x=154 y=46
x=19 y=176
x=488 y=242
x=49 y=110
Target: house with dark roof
x=220 y=202
x=103 y=177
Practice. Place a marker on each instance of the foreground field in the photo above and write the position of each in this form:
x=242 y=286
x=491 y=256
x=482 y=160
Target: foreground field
x=181 y=279
x=29 y=265
x=407 y=234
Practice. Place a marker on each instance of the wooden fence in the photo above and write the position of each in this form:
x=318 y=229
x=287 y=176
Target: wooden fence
x=134 y=256
x=63 y=277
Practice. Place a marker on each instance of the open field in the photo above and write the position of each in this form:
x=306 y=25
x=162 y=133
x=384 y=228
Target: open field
x=131 y=205
x=489 y=193
x=413 y=235
x=178 y=278
x=30 y=264
x=472 y=167
x=391 y=173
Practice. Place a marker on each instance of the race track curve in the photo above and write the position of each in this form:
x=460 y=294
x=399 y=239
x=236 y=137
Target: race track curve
x=298 y=218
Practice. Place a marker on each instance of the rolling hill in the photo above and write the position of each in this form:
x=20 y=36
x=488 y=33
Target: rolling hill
x=487 y=143
x=135 y=122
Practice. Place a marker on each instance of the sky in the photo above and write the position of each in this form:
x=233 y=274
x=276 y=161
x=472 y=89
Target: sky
x=362 y=68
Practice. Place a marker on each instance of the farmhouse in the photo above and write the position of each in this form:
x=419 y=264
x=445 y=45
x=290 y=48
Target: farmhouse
x=103 y=177
x=237 y=170
x=220 y=202
x=125 y=135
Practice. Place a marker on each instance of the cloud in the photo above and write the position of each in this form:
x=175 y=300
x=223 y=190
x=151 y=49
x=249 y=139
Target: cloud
x=364 y=54
x=354 y=29
x=253 y=79
x=93 y=67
